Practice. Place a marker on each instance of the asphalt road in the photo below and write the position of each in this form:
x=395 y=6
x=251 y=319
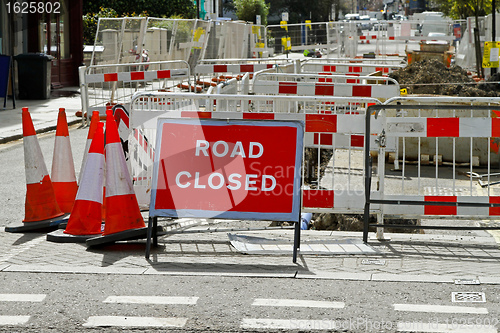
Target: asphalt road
x=53 y=302
x=74 y=302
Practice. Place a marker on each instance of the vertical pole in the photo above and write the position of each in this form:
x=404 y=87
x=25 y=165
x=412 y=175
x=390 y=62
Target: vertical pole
x=477 y=43
x=155 y=231
x=366 y=217
x=148 y=240
x=381 y=180
x=493 y=30
x=296 y=241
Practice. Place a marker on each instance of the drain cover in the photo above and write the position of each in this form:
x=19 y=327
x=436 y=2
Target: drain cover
x=468 y=297
x=373 y=262
x=467 y=281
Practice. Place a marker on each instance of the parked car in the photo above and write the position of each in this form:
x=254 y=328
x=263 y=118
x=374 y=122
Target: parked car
x=366 y=23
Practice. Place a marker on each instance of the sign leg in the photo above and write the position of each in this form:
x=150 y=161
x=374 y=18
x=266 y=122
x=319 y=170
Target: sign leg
x=155 y=231
x=148 y=241
x=296 y=241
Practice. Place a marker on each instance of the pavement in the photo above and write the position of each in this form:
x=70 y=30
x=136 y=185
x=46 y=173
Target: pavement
x=43 y=113
x=215 y=247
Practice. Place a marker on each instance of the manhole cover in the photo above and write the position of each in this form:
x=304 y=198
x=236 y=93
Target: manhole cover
x=373 y=262
x=467 y=281
x=468 y=297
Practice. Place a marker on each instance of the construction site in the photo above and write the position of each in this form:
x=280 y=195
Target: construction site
x=226 y=150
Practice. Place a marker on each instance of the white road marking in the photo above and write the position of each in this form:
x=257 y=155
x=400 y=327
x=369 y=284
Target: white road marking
x=445 y=328
x=439 y=308
x=298 y=303
x=14 y=320
x=22 y=297
x=152 y=300
x=119 y=321
x=287 y=324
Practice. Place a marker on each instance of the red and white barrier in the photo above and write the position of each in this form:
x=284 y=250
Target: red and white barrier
x=342 y=68
x=325 y=85
x=103 y=86
x=341 y=127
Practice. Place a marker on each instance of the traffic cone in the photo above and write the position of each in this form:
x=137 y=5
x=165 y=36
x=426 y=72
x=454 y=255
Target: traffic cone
x=93 y=126
x=122 y=208
x=63 y=168
x=41 y=203
x=85 y=218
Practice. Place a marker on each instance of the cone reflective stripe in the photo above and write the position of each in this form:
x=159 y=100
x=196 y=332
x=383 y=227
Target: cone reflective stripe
x=93 y=126
x=40 y=201
x=63 y=168
x=85 y=218
x=122 y=208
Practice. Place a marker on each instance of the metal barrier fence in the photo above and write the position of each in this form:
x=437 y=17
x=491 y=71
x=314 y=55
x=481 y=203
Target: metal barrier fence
x=335 y=139
x=446 y=148
x=107 y=85
x=134 y=39
x=130 y=39
x=329 y=36
x=176 y=39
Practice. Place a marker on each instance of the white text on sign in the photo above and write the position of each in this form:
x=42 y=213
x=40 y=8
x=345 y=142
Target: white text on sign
x=217 y=180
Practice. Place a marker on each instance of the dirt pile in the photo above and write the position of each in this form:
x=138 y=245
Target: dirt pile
x=433 y=77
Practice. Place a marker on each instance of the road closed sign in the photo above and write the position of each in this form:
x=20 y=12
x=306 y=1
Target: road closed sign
x=231 y=169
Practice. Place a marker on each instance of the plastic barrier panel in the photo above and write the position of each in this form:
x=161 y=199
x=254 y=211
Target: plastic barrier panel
x=445 y=162
x=334 y=138
x=103 y=86
x=343 y=68
x=325 y=85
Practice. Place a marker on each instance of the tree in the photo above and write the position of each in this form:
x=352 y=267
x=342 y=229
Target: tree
x=315 y=10
x=90 y=24
x=462 y=9
x=247 y=10
x=154 y=8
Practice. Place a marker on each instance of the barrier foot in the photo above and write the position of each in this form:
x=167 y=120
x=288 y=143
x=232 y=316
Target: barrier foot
x=58 y=236
x=296 y=242
x=44 y=225
x=132 y=234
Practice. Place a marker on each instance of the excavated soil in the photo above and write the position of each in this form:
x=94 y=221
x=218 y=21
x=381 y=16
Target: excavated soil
x=433 y=77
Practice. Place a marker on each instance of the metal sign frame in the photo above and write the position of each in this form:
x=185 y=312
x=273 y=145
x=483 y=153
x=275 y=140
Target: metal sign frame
x=163 y=201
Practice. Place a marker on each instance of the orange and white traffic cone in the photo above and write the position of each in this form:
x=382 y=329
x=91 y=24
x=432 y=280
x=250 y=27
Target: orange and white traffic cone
x=85 y=218
x=41 y=203
x=93 y=126
x=122 y=208
x=63 y=168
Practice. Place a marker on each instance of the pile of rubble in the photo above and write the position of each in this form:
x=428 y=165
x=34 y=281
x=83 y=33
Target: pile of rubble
x=433 y=77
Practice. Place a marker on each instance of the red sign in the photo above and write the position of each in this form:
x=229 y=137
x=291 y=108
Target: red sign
x=237 y=169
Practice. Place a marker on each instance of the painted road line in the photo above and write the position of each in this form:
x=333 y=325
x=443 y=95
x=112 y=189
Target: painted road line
x=297 y=303
x=439 y=308
x=14 y=320
x=152 y=300
x=118 y=321
x=22 y=297
x=445 y=328
x=287 y=324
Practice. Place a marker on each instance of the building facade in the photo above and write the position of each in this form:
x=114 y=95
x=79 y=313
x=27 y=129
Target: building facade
x=52 y=27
